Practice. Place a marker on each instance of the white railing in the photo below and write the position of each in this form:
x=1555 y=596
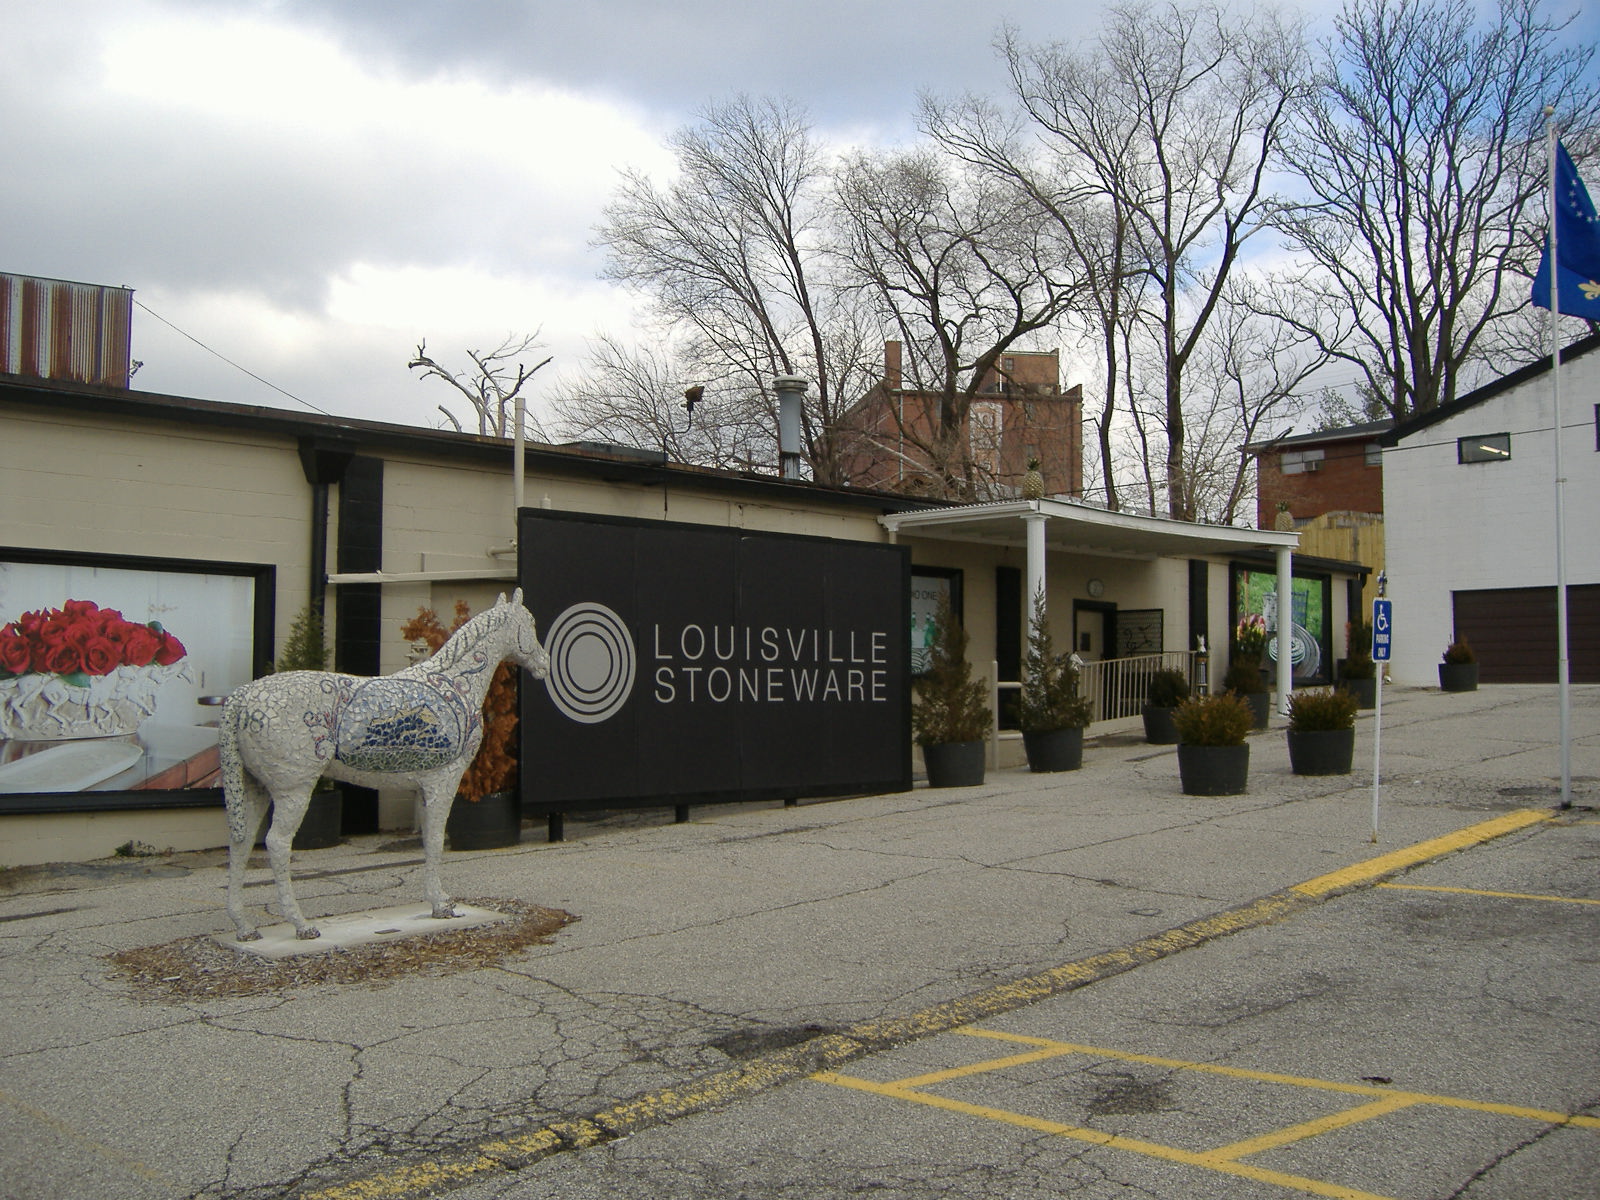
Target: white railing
x=1115 y=687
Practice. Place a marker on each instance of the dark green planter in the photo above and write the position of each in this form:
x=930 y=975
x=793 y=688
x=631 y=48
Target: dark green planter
x=954 y=764
x=1158 y=727
x=489 y=823
x=1458 y=677
x=1321 y=751
x=1213 y=770
x=1055 y=750
x=1364 y=690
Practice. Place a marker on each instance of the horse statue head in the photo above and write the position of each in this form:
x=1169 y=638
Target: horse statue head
x=526 y=651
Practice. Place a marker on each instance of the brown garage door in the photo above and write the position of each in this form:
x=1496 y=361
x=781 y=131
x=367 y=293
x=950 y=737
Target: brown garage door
x=1514 y=632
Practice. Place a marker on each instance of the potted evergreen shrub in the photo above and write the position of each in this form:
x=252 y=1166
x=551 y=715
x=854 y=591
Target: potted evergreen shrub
x=1050 y=712
x=306 y=649
x=1458 y=672
x=487 y=813
x=950 y=718
x=1213 y=757
x=1244 y=677
x=1322 y=732
x=1360 y=674
x=1168 y=689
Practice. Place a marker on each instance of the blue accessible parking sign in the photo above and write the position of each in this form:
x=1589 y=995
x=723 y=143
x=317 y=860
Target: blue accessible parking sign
x=1382 y=629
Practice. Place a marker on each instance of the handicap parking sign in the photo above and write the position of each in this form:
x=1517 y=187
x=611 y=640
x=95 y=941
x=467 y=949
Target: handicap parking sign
x=1382 y=629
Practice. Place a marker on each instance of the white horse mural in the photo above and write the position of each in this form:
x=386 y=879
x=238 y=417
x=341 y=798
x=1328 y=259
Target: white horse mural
x=419 y=727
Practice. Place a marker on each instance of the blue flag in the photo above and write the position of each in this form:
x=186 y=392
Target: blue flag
x=1577 y=247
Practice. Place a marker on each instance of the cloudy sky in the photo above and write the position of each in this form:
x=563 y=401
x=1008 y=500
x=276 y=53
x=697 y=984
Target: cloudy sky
x=310 y=187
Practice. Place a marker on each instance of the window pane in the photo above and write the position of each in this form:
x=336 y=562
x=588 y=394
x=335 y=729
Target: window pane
x=1491 y=447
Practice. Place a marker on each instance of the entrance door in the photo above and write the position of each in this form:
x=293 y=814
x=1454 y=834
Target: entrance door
x=1094 y=637
x=1089 y=633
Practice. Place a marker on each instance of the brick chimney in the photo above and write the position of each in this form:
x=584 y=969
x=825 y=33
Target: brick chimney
x=891 y=366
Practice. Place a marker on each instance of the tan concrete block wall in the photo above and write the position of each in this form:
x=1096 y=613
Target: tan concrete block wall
x=82 y=837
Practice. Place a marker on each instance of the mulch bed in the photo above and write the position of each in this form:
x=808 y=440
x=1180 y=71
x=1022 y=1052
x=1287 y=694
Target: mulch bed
x=200 y=968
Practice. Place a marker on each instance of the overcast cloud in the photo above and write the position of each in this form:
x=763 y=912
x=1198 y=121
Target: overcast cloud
x=309 y=187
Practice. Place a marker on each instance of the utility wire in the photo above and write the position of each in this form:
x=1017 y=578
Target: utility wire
x=230 y=361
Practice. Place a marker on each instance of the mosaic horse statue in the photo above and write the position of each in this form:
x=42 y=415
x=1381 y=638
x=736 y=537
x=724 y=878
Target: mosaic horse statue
x=421 y=726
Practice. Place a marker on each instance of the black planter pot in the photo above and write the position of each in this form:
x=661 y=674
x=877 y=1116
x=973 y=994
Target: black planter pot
x=1458 y=677
x=322 y=825
x=954 y=764
x=324 y=821
x=1213 y=770
x=1321 y=751
x=1158 y=727
x=1055 y=750
x=488 y=823
x=1260 y=707
x=1364 y=690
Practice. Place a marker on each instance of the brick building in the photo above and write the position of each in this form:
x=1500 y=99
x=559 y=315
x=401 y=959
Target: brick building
x=1020 y=412
x=1334 y=470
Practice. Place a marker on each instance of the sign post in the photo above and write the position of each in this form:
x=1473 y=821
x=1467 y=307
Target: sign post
x=1382 y=644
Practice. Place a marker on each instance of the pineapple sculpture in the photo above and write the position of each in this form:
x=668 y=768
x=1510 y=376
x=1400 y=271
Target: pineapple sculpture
x=1033 y=482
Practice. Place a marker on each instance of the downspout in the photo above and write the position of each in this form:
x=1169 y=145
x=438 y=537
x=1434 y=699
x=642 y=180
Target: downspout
x=324 y=461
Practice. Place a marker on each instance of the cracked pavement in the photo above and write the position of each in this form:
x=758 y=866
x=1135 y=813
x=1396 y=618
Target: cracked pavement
x=706 y=947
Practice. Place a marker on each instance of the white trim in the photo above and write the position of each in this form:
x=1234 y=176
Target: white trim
x=1103 y=532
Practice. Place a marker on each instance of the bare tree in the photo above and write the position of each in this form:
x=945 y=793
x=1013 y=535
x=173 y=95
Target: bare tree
x=732 y=254
x=492 y=387
x=1422 y=156
x=1157 y=139
x=635 y=396
x=963 y=268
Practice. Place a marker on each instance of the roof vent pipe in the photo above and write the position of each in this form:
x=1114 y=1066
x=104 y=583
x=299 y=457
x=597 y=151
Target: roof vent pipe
x=791 y=391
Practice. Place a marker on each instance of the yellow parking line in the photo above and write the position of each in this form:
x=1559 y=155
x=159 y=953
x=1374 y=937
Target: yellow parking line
x=1549 y=1116
x=1423 y=887
x=1410 y=856
x=983 y=1068
x=1310 y=1129
x=72 y=1132
x=1111 y=1141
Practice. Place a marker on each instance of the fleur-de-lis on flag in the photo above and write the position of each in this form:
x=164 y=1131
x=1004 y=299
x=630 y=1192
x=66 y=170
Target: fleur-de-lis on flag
x=1577 y=231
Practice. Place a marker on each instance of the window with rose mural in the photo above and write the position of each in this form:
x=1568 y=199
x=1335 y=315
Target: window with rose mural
x=112 y=671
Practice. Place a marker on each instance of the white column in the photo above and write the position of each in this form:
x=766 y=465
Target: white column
x=1035 y=524
x=1285 y=626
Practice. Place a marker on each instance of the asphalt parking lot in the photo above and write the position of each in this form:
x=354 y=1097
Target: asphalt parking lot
x=1435 y=1036
x=1087 y=985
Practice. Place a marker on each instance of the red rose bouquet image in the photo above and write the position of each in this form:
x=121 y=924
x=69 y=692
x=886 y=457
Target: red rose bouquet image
x=82 y=671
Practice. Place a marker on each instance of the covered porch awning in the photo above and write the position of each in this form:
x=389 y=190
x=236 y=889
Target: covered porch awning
x=1071 y=527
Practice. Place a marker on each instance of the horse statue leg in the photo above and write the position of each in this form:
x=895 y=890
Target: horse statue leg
x=437 y=796
x=246 y=808
x=289 y=804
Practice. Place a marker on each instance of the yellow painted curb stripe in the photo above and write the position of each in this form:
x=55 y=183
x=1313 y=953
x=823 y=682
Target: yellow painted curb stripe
x=1410 y=856
x=1460 y=891
x=824 y=1053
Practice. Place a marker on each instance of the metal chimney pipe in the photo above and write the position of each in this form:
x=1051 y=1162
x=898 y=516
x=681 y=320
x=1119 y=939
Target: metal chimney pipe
x=791 y=391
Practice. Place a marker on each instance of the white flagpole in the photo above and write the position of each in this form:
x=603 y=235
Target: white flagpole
x=1563 y=672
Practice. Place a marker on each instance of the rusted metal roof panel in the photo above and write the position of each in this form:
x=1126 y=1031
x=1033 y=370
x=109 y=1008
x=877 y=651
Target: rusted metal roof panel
x=73 y=332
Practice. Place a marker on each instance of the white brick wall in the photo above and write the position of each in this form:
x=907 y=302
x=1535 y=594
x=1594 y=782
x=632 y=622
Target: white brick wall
x=1461 y=526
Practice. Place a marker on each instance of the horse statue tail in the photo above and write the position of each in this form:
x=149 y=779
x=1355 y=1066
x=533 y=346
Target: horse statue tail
x=235 y=788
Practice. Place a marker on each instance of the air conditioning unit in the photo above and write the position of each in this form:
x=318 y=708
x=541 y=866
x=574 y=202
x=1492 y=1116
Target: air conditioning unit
x=1314 y=464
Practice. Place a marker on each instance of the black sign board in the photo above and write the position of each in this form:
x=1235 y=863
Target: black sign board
x=694 y=663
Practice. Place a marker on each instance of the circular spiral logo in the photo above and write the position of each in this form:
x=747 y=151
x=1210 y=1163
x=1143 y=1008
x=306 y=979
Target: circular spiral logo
x=592 y=663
